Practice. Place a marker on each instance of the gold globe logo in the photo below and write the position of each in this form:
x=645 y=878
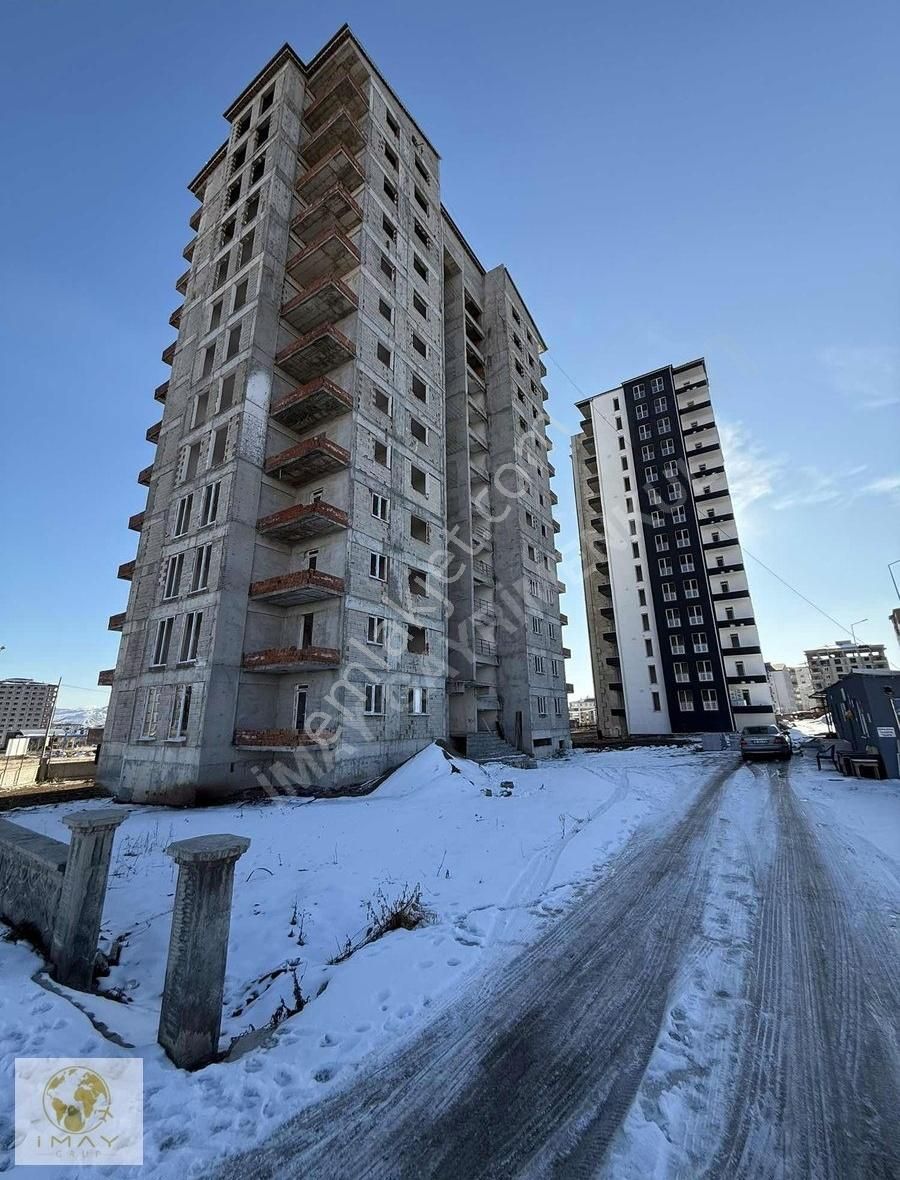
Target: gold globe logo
x=77 y=1100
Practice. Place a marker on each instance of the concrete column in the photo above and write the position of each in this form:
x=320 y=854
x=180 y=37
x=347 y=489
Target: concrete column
x=77 y=924
x=191 y=1017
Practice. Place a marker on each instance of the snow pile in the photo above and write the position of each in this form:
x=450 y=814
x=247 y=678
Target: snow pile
x=492 y=868
x=803 y=730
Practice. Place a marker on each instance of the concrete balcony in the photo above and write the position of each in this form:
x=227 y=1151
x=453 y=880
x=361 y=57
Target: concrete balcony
x=344 y=94
x=105 y=678
x=486 y=652
x=194 y=221
x=743 y=621
x=145 y=475
x=282 y=660
x=116 y=621
x=563 y=620
x=486 y=700
x=168 y=354
x=136 y=522
x=340 y=131
x=303 y=521
x=331 y=255
x=484 y=611
x=161 y=391
x=700 y=428
x=717 y=519
x=326 y=301
x=705 y=497
x=175 y=317
x=310 y=404
x=338 y=167
x=152 y=435
x=567 y=653
x=284 y=739
x=694 y=406
x=482 y=571
x=478 y=434
x=748 y=650
x=315 y=354
x=747 y=679
x=181 y=282
x=126 y=571
x=570 y=688
x=729 y=595
x=296 y=588
x=335 y=209
x=308 y=460
x=479 y=469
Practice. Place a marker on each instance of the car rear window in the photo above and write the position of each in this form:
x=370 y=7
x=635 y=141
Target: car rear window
x=761 y=729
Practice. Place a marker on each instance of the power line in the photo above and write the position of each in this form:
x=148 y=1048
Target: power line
x=728 y=535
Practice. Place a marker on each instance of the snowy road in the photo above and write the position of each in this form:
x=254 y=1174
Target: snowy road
x=722 y=1002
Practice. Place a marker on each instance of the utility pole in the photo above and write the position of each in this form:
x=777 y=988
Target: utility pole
x=41 y=764
x=853 y=627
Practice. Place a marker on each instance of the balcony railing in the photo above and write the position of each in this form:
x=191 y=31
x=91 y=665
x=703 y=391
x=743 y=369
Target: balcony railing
x=327 y=300
x=315 y=402
x=280 y=660
x=308 y=460
x=315 y=354
x=334 y=209
x=302 y=521
x=300 y=586
x=338 y=167
x=484 y=649
x=481 y=569
x=330 y=255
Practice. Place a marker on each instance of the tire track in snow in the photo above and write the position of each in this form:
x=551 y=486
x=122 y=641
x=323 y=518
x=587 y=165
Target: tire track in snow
x=532 y=1075
x=819 y=1084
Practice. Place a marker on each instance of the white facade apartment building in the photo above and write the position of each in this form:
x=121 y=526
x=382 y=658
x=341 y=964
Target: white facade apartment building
x=674 y=643
x=289 y=615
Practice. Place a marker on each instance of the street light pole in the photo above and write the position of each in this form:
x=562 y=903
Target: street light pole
x=891 y=565
x=853 y=627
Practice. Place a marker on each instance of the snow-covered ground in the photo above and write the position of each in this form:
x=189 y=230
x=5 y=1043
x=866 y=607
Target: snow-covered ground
x=493 y=869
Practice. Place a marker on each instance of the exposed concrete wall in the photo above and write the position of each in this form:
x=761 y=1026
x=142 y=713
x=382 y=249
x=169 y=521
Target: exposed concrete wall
x=31 y=876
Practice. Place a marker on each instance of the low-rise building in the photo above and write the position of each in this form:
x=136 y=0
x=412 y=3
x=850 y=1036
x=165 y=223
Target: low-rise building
x=583 y=713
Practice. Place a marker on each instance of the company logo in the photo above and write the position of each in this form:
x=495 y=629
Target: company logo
x=79 y=1111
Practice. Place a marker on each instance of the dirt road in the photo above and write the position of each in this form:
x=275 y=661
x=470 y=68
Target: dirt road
x=561 y=1064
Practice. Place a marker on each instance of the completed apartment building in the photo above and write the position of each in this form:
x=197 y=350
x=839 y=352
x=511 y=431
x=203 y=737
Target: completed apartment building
x=347 y=538
x=674 y=643
x=25 y=704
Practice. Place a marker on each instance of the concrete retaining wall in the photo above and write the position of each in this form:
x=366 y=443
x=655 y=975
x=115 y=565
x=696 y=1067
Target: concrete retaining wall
x=31 y=877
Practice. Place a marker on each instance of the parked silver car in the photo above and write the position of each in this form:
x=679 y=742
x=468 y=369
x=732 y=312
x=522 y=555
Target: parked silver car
x=765 y=741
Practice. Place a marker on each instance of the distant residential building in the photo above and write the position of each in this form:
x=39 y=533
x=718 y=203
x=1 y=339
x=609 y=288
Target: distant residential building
x=673 y=637
x=583 y=713
x=25 y=704
x=828 y=665
x=791 y=688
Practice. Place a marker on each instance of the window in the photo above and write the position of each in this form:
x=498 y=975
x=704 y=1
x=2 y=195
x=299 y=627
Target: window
x=653 y=496
x=682 y=673
x=233 y=194
x=539 y=664
x=660 y=404
x=420 y=268
x=221 y=271
x=421 y=233
x=657 y=520
x=215 y=316
x=691 y=589
x=378 y=567
x=190 y=637
x=419 y=389
x=392 y=123
x=676 y=645
x=384 y=309
x=418 y=583
x=668 y=446
x=209 y=503
x=312 y=559
x=704 y=670
x=673 y=617
x=641 y=411
x=648 y=646
x=710 y=699
x=685 y=700
x=420 y=305
x=418 y=528
x=645 y=622
x=682 y=538
x=226 y=394
x=375 y=630
x=644 y=431
x=665 y=565
x=421 y=199
x=383 y=353
x=695 y=614
x=651 y=474
x=380 y=506
x=389 y=228
x=220 y=443
x=419 y=345
x=738 y=668
x=150 y=719
x=723 y=587
x=202 y=559
x=541 y=706
x=537 y=625
x=670 y=470
x=679 y=515
x=557 y=706
x=668 y=592
x=242 y=126
x=635 y=549
x=674 y=492
x=234 y=342
x=250 y=209
x=648 y=452
x=661 y=541
x=374 y=704
x=699 y=641
x=638 y=391
x=181 y=711
x=381 y=453
x=418 y=479
x=267 y=99
x=387 y=267
x=390 y=191
x=422 y=171
x=554 y=667
x=245 y=249
x=209 y=359
x=183 y=515
x=172 y=582
x=391 y=156
x=418 y=701
x=654 y=696
x=663 y=426
x=686 y=563
x=657 y=385
x=416 y=640
x=381 y=401
x=162 y=641
x=240 y=298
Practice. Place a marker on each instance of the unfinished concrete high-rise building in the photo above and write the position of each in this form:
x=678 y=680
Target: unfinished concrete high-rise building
x=348 y=548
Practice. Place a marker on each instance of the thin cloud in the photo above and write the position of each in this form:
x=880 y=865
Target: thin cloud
x=867 y=376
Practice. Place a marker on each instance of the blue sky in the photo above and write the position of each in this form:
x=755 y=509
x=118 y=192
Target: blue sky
x=663 y=180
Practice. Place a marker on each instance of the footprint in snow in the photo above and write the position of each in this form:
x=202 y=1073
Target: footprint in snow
x=453 y=962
